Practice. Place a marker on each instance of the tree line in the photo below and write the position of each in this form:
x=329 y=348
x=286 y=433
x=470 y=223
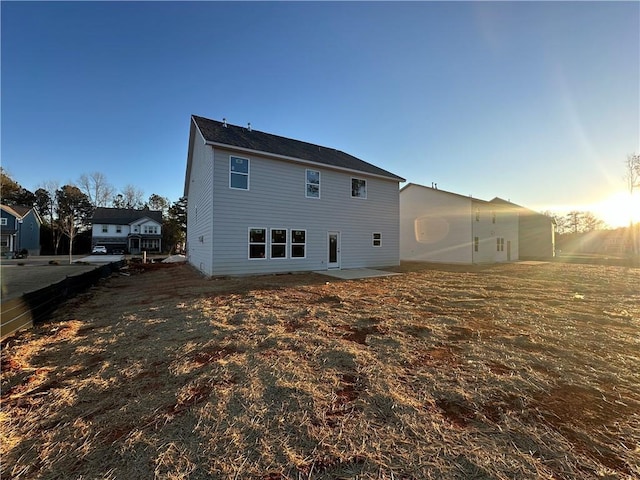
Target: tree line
x=576 y=222
x=66 y=210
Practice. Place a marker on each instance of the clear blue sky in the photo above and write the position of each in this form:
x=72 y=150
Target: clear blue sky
x=535 y=102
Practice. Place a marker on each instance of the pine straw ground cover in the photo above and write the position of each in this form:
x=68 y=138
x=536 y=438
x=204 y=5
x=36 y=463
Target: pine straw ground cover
x=508 y=371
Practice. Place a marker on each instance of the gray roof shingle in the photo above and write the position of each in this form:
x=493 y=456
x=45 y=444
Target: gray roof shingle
x=123 y=216
x=215 y=132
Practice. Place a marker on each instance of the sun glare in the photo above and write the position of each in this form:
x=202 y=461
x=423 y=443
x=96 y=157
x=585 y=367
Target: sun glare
x=618 y=209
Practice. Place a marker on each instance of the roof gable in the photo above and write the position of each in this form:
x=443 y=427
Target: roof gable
x=218 y=133
x=123 y=216
x=522 y=210
x=445 y=192
x=145 y=219
x=18 y=211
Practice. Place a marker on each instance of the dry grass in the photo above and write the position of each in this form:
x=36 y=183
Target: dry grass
x=510 y=371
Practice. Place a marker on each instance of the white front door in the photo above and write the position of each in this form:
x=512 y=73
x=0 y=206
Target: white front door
x=334 y=250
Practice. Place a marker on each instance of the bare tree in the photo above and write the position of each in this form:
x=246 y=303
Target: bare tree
x=632 y=178
x=573 y=221
x=96 y=188
x=590 y=222
x=632 y=172
x=560 y=221
x=131 y=197
x=579 y=222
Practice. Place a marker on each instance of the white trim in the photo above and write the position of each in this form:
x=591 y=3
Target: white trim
x=3 y=221
x=271 y=244
x=306 y=183
x=335 y=265
x=292 y=244
x=365 y=188
x=249 y=243
x=248 y=174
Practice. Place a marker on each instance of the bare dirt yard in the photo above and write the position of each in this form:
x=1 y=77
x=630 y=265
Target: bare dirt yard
x=498 y=372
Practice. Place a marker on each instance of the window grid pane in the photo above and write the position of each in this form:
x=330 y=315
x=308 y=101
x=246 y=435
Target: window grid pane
x=257 y=242
x=312 y=184
x=239 y=173
x=278 y=243
x=298 y=243
x=358 y=188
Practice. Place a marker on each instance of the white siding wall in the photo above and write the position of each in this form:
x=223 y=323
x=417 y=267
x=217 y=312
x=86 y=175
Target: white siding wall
x=508 y=228
x=200 y=206
x=435 y=226
x=485 y=230
x=276 y=199
x=111 y=231
x=139 y=226
x=505 y=226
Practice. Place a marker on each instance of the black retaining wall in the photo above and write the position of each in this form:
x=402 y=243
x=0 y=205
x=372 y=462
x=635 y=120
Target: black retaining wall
x=34 y=307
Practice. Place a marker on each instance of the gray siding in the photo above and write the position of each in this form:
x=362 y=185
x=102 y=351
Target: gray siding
x=200 y=205
x=276 y=199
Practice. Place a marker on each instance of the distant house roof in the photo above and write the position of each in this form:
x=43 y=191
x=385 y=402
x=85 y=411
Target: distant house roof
x=123 y=216
x=216 y=133
x=524 y=210
x=18 y=211
x=435 y=189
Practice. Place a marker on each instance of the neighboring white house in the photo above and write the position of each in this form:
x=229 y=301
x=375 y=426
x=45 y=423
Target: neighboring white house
x=261 y=203
x=440 y=226
x=127 y=229
x=536 y=232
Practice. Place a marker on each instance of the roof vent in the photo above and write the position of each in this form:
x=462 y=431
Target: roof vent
x=249 y=126
x=224 y=122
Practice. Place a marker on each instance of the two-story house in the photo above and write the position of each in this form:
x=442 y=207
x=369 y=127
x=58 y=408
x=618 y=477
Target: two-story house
x=441 y=226
x=262 y=203
x=536 y=232
x=127 y=230
x=19 y=229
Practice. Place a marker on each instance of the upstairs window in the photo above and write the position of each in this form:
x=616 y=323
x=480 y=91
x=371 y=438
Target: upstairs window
x=493 y=217
x=257 y=242
x=477 y=214
x=278 y=243
x=105 y=228
x=118 y=228
x=313 y=184
x=150 y=229
x=298 y=243
x=3 y=221
x=239 y=173
x=358 y=188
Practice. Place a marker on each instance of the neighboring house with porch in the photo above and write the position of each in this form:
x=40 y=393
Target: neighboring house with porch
x=126 y=229
x=19 y=229
x=262 y=203
x=536 y=232
x=441 y=226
